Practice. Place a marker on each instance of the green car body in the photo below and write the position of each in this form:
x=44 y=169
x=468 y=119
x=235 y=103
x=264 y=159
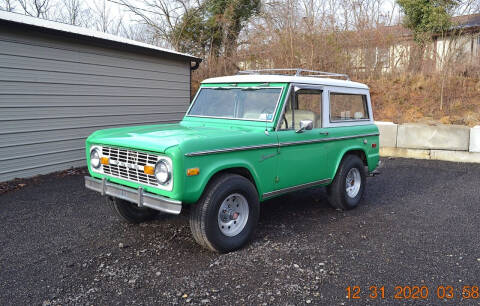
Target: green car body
x=276 y=161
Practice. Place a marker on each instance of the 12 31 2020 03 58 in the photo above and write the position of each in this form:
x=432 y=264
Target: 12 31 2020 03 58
x=414 y=292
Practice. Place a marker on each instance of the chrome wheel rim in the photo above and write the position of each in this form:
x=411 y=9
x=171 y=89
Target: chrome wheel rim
x=353 y=182
x=233 y=215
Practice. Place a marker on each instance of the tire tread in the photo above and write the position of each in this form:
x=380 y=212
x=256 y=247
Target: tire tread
x=200 y=211
x=335 y=190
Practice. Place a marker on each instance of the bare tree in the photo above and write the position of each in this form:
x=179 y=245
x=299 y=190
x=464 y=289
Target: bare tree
x=468 y=7
x=104 y=20
x=162 y=16
x=36 y=8
x=72 y=12
x=7 y=6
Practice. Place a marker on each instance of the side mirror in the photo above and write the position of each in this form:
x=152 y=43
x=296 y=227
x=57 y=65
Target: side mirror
x=305 y=125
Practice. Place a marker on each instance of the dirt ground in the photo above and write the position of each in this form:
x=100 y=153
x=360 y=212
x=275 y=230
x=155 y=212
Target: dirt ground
x=418 y=226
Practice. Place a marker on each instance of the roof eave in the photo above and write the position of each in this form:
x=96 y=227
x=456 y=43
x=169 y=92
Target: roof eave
x=100 y=41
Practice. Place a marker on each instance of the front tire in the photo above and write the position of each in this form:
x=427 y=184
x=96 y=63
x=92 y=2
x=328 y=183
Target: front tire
x=346 y=190
x=226 y=216
x=129 y=212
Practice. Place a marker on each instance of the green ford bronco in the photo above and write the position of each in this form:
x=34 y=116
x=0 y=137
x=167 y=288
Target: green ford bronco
x=245 y=139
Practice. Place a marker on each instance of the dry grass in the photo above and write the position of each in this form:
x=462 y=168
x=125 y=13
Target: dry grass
x=417 y=99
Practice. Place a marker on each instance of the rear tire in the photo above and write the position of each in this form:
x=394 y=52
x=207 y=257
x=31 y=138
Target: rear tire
x=226 y=216
x=130 y=212
x=348 y=186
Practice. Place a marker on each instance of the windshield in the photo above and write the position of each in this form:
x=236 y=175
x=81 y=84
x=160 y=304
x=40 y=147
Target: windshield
x=248 y=103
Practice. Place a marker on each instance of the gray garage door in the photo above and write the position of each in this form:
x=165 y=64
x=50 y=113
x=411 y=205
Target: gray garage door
x=54 y=92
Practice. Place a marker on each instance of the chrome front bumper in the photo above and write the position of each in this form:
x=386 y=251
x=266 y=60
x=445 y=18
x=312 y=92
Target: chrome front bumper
x=137 y=196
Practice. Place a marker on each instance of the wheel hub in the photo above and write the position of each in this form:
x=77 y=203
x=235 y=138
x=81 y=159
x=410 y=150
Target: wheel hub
x=353 y=182
x=233 y=214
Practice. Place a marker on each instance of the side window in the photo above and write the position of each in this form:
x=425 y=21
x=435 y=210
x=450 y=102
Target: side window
x=347 y=107
x=307 y=105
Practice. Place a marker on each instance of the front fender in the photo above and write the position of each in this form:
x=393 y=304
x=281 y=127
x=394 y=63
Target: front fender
x=208 y=168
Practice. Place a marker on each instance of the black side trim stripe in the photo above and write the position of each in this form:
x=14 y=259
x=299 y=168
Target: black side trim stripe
x=294 y=143
x=274 y=145
x=293 y=188
x=245 y=148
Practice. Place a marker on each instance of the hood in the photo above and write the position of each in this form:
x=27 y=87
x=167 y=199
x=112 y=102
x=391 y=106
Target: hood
x=155 y=138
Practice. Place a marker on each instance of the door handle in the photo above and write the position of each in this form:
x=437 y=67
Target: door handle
x=323 y=133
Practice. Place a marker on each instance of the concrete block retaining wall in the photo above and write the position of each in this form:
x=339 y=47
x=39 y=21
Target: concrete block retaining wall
x=388 y=134
x=475 y=139
x=436 y=137
x=421 y=141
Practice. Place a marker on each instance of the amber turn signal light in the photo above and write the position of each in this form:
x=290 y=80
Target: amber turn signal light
x=193 y=171
x=104 y=161
x=149 y=170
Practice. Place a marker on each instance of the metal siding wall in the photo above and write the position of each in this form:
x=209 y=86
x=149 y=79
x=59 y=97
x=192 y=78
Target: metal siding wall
x=55 y=92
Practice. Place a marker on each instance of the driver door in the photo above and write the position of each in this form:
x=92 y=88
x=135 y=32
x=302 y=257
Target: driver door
x=302 y=155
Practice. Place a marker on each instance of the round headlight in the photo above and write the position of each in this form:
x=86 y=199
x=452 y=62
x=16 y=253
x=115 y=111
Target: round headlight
x=95 y=158
x=162 y=172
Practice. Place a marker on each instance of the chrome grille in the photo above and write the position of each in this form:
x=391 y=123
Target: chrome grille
x=131 y=157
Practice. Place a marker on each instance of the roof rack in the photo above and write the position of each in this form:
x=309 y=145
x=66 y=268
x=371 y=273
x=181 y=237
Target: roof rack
x=298 y=72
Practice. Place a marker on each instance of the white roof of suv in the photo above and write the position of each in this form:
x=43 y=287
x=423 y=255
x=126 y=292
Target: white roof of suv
x=275 y=78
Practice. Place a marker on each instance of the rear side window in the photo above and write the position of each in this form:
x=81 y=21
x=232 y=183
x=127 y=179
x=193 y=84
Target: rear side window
x=348 y=107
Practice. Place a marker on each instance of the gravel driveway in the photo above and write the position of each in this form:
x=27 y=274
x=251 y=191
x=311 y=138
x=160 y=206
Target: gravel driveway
x=418 y=226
